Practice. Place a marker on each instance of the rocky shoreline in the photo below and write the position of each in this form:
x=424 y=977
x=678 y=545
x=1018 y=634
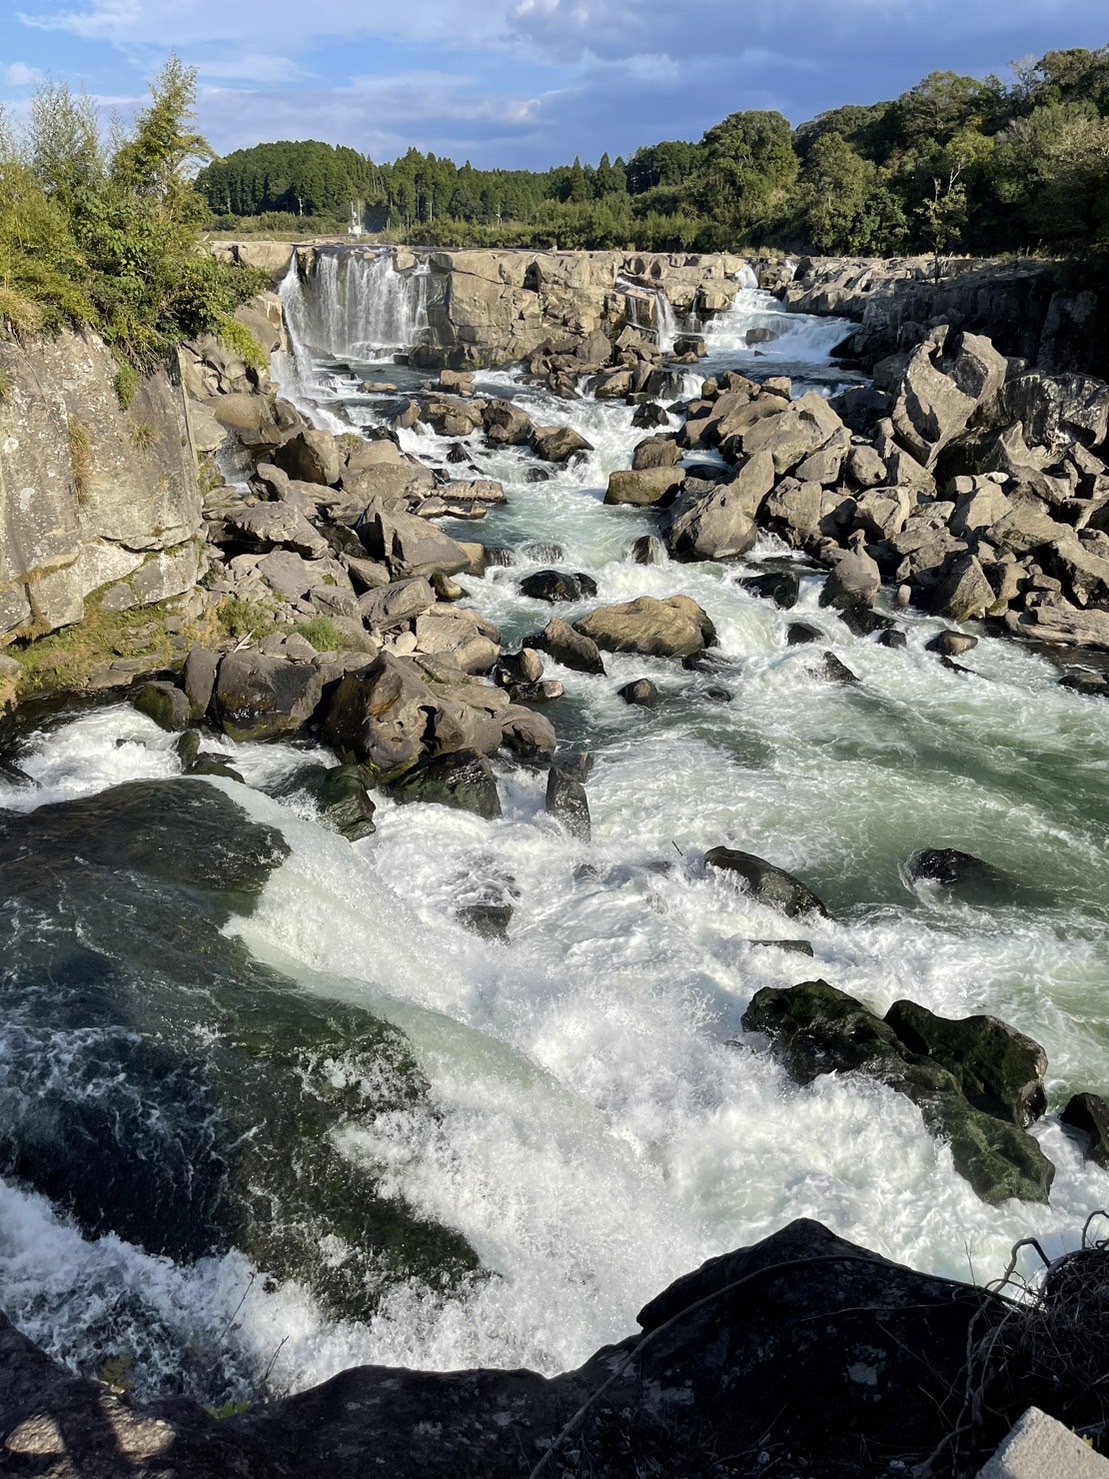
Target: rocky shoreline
x=320 y=596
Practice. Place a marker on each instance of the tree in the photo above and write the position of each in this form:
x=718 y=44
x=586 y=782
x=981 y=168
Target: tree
x=845 y=204
x=749 y=164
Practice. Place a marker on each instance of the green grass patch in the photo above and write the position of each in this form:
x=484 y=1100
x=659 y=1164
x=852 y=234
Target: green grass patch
x=321 y=632
x=245 y=618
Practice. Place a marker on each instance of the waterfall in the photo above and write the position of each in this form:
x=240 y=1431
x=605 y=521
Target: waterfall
x=756 y=321
x=668 y=329
x=747 y=276
x=355 y=305
x=650 y=311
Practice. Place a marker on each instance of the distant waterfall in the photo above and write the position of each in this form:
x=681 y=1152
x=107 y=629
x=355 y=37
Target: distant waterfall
x=354 y=305
x=747 y=276
x=650 y=311
x=757 y=322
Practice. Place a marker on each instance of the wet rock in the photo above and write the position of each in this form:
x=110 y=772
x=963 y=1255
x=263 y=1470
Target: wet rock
x=506 y=425
x=344 y=803
x=259 y=697
x=894 y=637
x=1089 y=1114
x=780 y=586
x=214 y=765
x=569 y=647
x=557 y=585
x=188 y=747
x=488 y=919
x=566 y=800
x=165 y=704
x=815 y=1029
x=832 y=670
x=676 y=627
x=530 y=736
x=659 y=451
x=998 y=1069
x=538 y=475
x=559 y=443
x=951 y=644
x=794 y=947
x=641 y=694
x=800 y=632
x=720 y=525
x=647 y=550
x=462 y=780
x=863 y=621
x=948 y=866
x=766 y=884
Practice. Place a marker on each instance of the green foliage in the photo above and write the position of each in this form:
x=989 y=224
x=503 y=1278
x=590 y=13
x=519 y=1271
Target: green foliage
x=245 y=618
x=238 y=338
x=321 y=632
x=125 y=383
x=110 y=237
x=230 y=1408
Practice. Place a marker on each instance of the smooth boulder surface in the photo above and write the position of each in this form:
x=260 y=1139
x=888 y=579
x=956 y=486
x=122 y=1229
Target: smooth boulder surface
x=557 y=585
x=463 y=780
x=566 y=800
x=767 y=884
x=675 y=627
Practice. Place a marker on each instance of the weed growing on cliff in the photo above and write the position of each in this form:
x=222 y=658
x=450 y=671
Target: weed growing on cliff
x=237 y=337
x=5 y=386
x=144 y=434
x=80 y=457
x=126 y=383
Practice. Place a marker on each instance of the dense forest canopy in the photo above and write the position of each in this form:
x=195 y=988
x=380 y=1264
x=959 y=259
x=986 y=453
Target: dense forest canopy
x=955 y=163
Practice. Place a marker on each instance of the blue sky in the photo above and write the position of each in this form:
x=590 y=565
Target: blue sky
x=520 y=83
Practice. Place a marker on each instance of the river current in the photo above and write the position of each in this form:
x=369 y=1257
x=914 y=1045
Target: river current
x=595 y=1121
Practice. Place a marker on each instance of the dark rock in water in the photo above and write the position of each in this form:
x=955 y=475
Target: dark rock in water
x=648 y=550
x=578 y=764
x=642 y=693
x=799 y=632
x=538 y=475
x=1094 y=684
x=461 y=779
x=815 y=1029
x=767 y=884
x=258 y=697
x=718 y=695
x=499 y=556
x=458 y=453
x=165 y=704
x=833 y=671
x=557 y=585
x=188 y=747
x=949 y=866
x=648 y=414
x=342 y=795
x=567 y=801
x=488 y=919
x=951 y=644
x=781 y=587
x=214 y=765
x=1089 y=1114
x=894 y=638
x=954 y=667
x=999 y=1069
x=795 y=947
x=862 y=621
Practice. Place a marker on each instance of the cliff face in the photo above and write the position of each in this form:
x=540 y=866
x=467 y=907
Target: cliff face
x=91 y=495
x=1036 y=311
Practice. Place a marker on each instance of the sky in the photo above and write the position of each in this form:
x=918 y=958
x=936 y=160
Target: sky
x=517 y=83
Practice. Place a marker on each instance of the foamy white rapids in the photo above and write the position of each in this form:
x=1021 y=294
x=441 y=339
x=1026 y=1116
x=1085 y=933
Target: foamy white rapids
x=798 y=338
x=602 y=1123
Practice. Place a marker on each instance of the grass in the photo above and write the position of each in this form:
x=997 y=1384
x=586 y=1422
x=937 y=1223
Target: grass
x=320 y=631
x=18 y=313
x=5 y=386
x=144 y=434
x=63 y=660
x=126 y=383
x=80 y=457
x=245 y=618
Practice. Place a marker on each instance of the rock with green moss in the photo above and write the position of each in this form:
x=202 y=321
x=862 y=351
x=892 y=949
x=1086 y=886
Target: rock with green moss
x=165 y=704
x=815 y=1028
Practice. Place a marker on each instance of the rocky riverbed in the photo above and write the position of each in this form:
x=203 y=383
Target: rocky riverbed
x=758 y=851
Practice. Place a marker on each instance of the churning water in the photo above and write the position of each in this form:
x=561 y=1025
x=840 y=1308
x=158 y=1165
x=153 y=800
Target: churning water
x=555 y=1127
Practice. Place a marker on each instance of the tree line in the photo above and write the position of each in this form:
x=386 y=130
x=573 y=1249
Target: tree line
x=954 y=164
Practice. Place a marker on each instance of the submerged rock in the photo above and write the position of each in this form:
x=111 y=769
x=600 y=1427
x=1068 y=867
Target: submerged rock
x=557 y=585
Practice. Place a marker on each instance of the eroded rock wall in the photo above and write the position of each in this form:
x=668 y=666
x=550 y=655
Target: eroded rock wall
x=91 y=495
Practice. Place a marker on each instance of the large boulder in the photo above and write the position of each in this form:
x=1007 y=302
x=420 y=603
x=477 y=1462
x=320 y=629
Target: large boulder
x=312 y=456
x=558 y=443
x=675 y=627
x=721 y=525
x=854 y=580
x=645 y=487
x=766 y=884
x=411 y=546
x=566 y=800
x=936 y=399
x=569 y=647
x=557 y=585
x=258 y=697
x=273 y=525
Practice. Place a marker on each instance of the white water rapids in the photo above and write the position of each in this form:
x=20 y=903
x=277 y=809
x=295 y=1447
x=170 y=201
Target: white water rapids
x=602 y=1125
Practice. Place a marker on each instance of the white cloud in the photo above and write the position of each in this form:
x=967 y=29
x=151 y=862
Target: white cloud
x=19 y=74
x=256 y=68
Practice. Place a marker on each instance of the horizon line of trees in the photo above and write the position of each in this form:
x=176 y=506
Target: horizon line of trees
x=955 y=163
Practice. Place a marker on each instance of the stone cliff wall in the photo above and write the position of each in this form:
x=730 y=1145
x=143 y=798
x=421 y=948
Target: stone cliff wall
x=1042 y=312
x=91 y=495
